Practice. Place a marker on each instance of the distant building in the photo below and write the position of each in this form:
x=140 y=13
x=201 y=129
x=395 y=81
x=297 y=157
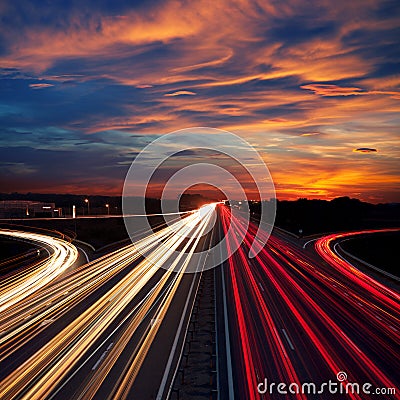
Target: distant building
x=28 y=209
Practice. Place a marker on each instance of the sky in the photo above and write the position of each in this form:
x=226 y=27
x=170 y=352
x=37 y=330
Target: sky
x=313 y=86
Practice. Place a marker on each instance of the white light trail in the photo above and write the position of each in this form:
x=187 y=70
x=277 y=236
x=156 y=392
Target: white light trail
x=19 y=286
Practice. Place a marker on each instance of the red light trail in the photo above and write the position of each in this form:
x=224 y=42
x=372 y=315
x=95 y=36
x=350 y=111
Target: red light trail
x=340 y=315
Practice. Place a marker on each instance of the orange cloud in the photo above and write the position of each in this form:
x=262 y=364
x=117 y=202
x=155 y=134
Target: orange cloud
x=334 y=90
x=180 y=93
x=314 y=178
x=40 y=85
x=310 y=134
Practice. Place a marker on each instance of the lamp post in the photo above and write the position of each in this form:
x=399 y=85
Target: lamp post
x=88 y=207
x=108 y=209
x=74 y=217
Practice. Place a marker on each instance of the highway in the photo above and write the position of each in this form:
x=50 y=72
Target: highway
x=41 y=356
x=114 y=328
x=299 y=317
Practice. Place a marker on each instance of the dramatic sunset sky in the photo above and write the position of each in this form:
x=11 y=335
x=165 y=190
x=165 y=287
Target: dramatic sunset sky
x=313 y=86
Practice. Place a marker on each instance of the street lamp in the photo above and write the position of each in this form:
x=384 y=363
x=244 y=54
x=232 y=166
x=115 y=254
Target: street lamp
x=108 y=209
x=88 y=209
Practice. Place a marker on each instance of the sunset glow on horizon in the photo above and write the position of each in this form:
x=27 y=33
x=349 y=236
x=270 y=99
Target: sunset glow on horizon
x=312 y=86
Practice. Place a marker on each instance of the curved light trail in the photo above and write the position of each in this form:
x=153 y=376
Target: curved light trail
x=18 y=286
x=381 y=293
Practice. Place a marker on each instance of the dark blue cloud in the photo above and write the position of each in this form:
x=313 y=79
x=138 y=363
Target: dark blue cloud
x=297 y=30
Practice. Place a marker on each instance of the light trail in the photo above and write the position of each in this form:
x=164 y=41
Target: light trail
x=19 y=323
x=18 y=287
x=123 y=387
x=294 y=317
x=252 y=359
x=40 y=375
x=327 y=305
x=381 y=293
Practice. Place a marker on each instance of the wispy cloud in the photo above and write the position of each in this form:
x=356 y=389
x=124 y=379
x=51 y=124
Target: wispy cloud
x=304 y=83
x=180 y=93
x=309 y=133
x=334 y=90
x=40 y=85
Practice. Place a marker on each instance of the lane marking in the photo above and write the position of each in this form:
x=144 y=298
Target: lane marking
x=381 y=271
x=99 y=360
x=84 y=253
x=287 y=338
x=309 y=241
x=110 y=345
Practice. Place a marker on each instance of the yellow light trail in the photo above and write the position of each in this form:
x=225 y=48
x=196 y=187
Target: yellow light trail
x=40 y=375
x=182 y=261
x=123 y=387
